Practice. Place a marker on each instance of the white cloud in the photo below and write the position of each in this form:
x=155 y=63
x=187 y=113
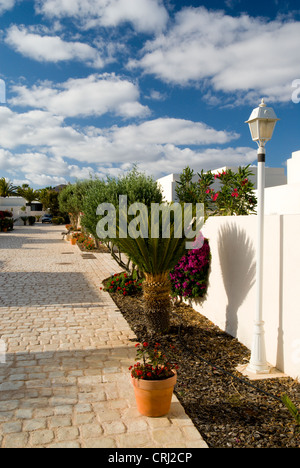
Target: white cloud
x=42 y=129
x=144 y=15
x=6 y=5
x=34 y=129
x=148 y=142
x=40 y=147
x=51 y=48
x=232 y=54
x=172 y=131
x=44 y=180
x=34 y=168
x=95 y=95
x=156 y=95
x=41 y=169
x=174 y=160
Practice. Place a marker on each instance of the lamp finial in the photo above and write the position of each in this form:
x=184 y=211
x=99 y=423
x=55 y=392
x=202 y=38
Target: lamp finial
x=262 y=104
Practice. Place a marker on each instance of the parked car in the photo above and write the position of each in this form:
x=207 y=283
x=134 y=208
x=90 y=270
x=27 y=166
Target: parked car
x=47 y=218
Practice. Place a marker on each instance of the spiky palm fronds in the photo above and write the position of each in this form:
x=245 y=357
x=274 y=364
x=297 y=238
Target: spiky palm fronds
x=7 y=189
x=155 y=254
x=293 y=410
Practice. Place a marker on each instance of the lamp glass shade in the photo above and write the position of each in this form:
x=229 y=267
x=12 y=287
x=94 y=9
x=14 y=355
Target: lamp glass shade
x=254 y=130
x=266 y=129
x=262 y=123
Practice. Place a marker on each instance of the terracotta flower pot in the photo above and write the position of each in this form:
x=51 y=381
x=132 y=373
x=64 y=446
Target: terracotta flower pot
x=73 y=241
x=153 y=397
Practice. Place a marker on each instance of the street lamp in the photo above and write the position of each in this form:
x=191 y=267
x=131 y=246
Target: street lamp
x=262 y=123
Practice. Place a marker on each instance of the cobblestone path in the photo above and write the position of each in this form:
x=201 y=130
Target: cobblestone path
x=64 y=380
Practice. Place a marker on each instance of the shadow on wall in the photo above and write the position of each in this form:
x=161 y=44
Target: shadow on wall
x=238 y=266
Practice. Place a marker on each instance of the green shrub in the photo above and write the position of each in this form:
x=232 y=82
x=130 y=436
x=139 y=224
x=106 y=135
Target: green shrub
x=123 y=284
x=88 y=243
x=58 y=220
x=135 y=185
x=31 y=220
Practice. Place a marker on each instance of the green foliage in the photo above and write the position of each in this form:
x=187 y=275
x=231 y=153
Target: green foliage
x=187 y=189
x=154 y=255
x=292 y=409
x=88 y=243
x=31 y=220
x=49 y=198
x=234 y=197
x=124 y=284
x=28 y=193
x=24 y=219
x=137 y=186
x=71 y=198
x=7 y=189
x=152 y=363
x=58 y=220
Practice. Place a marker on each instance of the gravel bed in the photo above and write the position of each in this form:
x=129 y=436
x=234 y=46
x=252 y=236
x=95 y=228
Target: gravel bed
x=228 y=409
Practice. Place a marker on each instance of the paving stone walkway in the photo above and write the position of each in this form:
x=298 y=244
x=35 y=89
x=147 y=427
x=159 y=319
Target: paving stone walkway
x=65 y=380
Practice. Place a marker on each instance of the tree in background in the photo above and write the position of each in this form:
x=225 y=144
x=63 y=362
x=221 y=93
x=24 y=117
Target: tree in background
x=71 y=199
x=137 y=186
x=49 y=198
x=29 y=194
x=7 y=189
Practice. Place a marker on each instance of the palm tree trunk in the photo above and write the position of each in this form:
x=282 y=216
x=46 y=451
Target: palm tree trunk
x=157 y=302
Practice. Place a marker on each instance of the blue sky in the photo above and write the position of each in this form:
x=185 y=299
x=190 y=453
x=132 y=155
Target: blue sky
x=95 y=86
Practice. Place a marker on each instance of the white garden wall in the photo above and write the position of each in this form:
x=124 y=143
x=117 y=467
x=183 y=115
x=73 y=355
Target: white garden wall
x=230 y=303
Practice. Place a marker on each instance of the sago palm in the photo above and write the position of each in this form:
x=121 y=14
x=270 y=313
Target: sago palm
x=155 y=254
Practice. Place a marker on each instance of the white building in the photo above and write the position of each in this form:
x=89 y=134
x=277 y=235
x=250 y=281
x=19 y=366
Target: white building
x=14 y=205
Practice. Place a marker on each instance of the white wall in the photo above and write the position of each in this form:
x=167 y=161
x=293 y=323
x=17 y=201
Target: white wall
x=293 y=168
x=231 y=298
x=285 y=199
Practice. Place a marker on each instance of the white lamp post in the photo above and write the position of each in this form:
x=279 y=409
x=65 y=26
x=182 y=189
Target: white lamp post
x=262 y=123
